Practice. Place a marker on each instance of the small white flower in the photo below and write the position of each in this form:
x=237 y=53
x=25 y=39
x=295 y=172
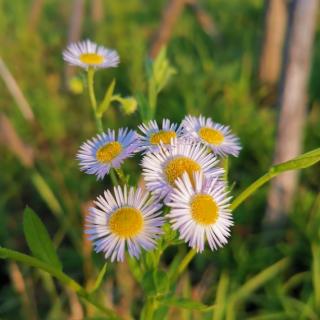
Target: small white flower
x=128 y=219
x=88 y=54
x=105 y=151
x=152 y=136
x=214 y=135
x=200 y=211
x=161 y=169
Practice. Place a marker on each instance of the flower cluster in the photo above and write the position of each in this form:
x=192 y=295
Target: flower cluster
x=180 y=168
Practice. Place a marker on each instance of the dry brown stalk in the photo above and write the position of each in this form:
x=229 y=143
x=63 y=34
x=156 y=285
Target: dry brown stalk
x=15 y=91
x=292 y=106
x=10 y=138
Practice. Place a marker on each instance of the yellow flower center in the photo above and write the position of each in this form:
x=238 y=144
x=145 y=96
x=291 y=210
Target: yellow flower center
x=126 y=222
x=204 y=209
x=164 y=136
x=109 y=151
x=211 y=136
x=177 y=166
x=91 y=58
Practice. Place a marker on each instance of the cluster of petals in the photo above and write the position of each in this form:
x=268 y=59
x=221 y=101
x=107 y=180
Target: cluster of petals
x=180 y=167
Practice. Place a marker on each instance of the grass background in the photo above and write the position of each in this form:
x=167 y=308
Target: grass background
x=215 y=77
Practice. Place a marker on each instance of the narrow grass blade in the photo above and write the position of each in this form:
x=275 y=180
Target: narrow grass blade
x=99 y=279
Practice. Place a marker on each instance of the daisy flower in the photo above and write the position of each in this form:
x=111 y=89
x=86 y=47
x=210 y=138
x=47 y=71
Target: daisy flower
x=105 y=151
x=200 y=211
x=87 y=54
x=216 y=136
x=152 y=136
x=128 y=219
x=162 y=168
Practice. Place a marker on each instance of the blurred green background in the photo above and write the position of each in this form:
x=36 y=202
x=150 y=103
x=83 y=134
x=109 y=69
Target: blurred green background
x=217 y=77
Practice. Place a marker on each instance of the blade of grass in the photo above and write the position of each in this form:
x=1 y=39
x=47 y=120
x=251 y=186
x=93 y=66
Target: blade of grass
x=253 y=284
x=315 y=248
x=221 y=297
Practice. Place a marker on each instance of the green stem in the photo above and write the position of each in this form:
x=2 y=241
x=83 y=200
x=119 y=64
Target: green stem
x=149 y=309
x=185 y=261
x=99 y=123
x=121 y=175
x=152 y=99
x=62 y=277
x=113 y=177
x=225 y=165
x=252 y=188
x=92 y=96
x=93 y=100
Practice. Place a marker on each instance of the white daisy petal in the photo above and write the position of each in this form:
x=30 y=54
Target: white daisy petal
x=118 y=224
x=105 y=151
x=162 y=168
x=202 y=215
x=152 y=136
x=87 y=54
x=214 y=135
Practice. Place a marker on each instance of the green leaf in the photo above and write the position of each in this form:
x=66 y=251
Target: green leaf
x=253 y=284
x=315 y=248
x=174 y=266
x=3 y=254
x=270 y=316
x=162 y=70
x=136 y=268
x=303 y=161
x=148 y=283
x=46 y=193
x=258 y=280
x=161 y=281
x=143 y=107
x=221 y=300
x=299 y=309
x=104 y=105
x=38 y=239
x=159 y=73
x=99 y=279
x=185 y=303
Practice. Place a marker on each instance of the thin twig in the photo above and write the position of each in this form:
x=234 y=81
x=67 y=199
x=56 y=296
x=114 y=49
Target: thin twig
x=74 y=32
x=35 y=14
x=9 y=137
x=169 y=18
x=19 y=284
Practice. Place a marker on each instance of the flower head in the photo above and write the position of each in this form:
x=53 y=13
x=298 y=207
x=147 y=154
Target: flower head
x=216 y=136
x=200 y=211
x=88 y=54
x=128 y=218
x=161 y=169
x=105 y=151
x=152 y=136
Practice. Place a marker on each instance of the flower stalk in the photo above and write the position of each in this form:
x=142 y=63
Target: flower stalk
x=93 y=100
